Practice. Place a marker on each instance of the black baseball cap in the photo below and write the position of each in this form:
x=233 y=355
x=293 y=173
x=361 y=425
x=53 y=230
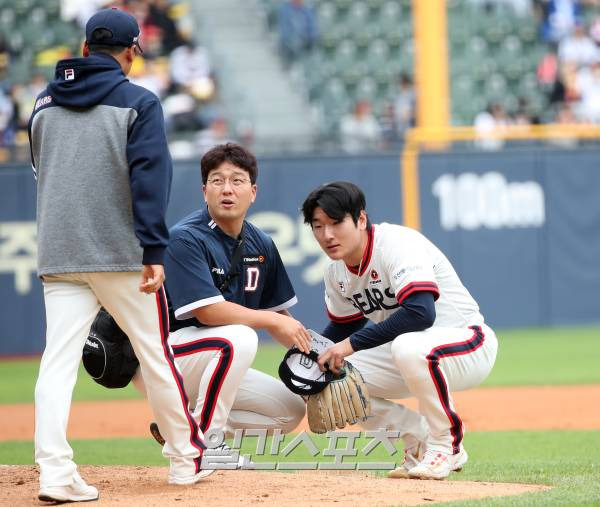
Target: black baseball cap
x=123 y=28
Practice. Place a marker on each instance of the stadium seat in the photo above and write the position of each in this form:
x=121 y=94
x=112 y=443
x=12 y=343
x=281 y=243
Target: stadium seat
x=366 y=33
x=22 y=7
x=335 y=95
x=366 y=44
x=374 y=4
x=326 y=16
x=391 y=11
x=343 y=5
x=366 y=89
x=357 y=17
x=345 y=55
x=7 y=20
x=526 y=30
x=378 y=54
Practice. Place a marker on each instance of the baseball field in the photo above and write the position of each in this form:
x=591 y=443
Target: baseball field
x=533 y=437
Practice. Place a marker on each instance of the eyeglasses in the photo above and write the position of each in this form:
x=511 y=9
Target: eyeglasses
x=236 y=181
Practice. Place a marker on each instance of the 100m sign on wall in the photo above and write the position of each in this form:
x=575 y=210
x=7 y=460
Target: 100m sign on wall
x=471 y=201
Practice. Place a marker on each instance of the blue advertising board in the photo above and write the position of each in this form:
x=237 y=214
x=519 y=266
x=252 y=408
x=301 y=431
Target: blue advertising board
x=521 y=227
x=282 y=186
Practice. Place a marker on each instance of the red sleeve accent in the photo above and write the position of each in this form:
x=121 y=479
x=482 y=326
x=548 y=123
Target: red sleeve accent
x=345 y=319
x=416 y=287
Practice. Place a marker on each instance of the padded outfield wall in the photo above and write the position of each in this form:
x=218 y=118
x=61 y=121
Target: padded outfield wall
x=521 y=227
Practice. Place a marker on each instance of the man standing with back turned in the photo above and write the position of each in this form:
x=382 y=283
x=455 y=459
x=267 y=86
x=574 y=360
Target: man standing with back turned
x=103 y=169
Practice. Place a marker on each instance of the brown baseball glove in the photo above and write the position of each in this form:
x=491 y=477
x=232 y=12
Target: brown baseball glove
x=345 y=400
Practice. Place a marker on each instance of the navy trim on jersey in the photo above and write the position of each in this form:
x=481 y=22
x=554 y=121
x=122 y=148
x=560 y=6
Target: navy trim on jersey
x=449 y=350
x=368 y=253
x=163 y=317
x=417 y=287
x=218 y=376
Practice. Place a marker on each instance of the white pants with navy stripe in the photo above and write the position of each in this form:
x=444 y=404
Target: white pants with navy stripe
x=225 y=394
x=428 y=365
x=72 y=301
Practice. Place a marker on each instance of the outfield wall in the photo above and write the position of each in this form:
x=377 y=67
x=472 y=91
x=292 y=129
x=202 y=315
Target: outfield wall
x=522 y=228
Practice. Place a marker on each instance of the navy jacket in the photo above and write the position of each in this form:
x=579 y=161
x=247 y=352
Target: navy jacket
x=99 y=150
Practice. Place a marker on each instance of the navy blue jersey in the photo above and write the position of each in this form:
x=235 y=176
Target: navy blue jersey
x=198 y=258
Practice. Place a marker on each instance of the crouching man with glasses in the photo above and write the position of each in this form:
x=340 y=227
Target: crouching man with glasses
x=225 y=279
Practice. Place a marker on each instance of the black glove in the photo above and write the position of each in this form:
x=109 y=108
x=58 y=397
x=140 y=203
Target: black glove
x=108 y=355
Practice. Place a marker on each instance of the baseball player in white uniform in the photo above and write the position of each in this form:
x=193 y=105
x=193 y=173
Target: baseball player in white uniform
x=428 y=337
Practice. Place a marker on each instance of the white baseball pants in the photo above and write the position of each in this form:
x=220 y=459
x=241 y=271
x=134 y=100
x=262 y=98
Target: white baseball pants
x=428 y=365
x=72 y=301
x=224 y=393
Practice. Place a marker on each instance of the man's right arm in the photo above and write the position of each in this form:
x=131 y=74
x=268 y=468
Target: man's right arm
x=285 y=329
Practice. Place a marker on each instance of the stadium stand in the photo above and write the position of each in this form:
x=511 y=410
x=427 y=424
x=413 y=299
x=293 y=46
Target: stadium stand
x=494 y=53
x=501 y=53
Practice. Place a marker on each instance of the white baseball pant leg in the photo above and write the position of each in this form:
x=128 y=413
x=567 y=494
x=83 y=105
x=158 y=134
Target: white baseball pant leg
x=70 y=309
x=264 y=402
x=437 y=361
x=213 y=361
x=247 y=398
x=385 y=383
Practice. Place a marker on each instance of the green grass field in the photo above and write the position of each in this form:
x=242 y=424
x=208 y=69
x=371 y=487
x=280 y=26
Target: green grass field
x=567 y=460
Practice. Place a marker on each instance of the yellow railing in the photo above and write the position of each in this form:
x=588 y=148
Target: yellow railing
x=418 y=138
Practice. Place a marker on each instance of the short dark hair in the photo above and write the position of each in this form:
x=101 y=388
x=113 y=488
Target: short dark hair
x=337 y=200
x=232 y=153
x=97 y=47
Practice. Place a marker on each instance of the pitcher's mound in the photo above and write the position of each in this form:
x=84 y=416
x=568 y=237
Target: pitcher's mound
x=146 y=486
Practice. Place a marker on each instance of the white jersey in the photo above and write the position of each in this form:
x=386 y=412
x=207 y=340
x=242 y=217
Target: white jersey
x=397 y=262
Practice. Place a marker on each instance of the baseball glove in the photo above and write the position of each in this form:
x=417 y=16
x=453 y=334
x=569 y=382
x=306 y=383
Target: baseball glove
x=107 y=354
x=345 y=400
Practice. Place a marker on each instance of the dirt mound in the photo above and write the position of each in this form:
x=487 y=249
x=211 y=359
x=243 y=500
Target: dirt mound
x=143 y=486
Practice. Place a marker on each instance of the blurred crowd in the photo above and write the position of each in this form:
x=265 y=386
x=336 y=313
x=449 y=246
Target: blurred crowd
x=569 y=73
x=173 y=67
x=361 y=130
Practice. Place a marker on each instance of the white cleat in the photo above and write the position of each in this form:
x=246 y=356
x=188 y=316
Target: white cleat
x=213 y=459
x=180 y=472
x=190 y=479
x=77 y=491
x=438 y=465
x=412 y=458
